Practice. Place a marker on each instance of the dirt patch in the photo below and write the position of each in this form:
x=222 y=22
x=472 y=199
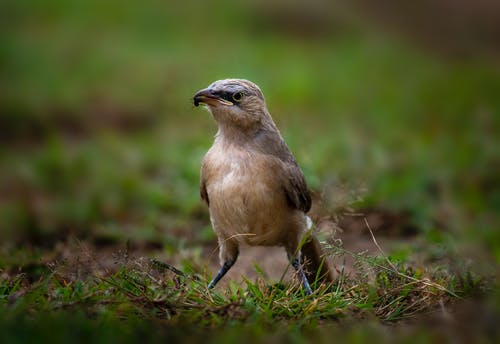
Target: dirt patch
x=103 y=257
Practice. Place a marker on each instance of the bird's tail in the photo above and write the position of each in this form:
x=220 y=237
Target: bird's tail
x=317 y=267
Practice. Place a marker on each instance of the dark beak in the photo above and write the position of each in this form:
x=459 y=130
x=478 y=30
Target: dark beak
x=208 y=97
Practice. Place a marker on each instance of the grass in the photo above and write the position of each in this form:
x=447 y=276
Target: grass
x=100 y=144
x=163 y=300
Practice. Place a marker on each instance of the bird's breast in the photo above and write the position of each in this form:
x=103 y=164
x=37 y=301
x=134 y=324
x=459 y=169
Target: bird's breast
x=246 y=198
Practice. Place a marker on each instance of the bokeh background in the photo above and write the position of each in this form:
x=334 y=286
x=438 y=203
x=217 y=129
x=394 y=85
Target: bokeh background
x=391 y=108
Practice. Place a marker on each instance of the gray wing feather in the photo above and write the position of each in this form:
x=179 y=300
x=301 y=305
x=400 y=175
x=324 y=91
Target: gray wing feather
x=203 y=187
x=294 y=182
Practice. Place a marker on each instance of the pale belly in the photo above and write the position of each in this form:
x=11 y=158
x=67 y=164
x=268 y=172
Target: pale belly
x=249 y=207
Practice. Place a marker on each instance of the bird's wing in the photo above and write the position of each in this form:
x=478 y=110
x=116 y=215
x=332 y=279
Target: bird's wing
x=295 y=186
x=203 y=185
x=292 y=178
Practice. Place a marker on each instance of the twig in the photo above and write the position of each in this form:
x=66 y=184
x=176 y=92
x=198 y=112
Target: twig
x=395 y=270
x=164 y=266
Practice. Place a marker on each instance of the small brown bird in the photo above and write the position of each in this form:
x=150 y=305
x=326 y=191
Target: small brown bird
x=252 y=184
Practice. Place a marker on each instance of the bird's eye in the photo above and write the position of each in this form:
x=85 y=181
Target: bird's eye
x=237 y=96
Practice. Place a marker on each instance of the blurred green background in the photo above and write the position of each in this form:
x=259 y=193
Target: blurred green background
x=397 y=104
x=392 y=110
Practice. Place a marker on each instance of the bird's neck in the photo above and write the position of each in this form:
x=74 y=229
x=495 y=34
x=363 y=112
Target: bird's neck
x=245 y=132
x=235 y=135
x=260 y=138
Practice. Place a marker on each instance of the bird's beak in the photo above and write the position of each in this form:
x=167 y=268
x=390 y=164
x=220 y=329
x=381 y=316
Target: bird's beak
x=207 y=96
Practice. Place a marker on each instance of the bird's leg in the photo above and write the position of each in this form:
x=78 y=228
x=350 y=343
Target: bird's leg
x=293 y=252
x=222 y=271
x=228 y=255
x=295 y=261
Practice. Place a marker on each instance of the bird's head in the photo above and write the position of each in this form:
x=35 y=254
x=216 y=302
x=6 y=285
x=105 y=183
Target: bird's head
x=234 y=103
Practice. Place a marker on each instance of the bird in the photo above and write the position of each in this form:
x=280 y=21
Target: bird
x=255 y=191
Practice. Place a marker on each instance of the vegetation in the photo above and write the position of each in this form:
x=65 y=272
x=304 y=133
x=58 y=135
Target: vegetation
x=103 y=236
x=172 y=301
